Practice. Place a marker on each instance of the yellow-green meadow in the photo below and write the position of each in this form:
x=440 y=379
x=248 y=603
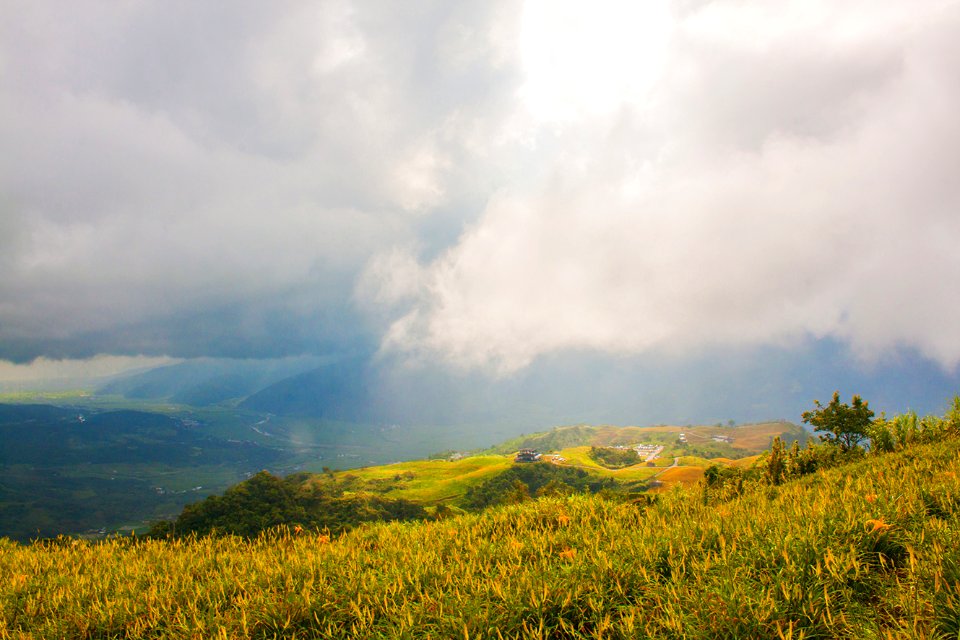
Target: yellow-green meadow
x=868 y=549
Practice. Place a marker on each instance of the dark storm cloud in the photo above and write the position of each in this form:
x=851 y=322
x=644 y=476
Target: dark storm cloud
x=208 y=178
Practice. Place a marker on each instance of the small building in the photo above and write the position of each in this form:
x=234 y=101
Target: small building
x=527 y=455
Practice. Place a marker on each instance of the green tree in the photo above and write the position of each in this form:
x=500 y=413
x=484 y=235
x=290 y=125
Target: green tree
x=842 y=424
x=776 y=463
x=793 y=459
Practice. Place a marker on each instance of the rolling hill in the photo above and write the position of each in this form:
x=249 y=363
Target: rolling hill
x=470 y=482
x=870 y=548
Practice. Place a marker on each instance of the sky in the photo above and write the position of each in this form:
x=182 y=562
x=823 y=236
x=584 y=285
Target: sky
x=488 y=187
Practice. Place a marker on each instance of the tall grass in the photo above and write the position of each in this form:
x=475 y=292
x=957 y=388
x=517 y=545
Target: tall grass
x=869 y=550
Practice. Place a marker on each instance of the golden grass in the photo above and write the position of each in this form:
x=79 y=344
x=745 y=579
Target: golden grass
x=580 y=457
x=755 y=436
x=432 y=480
x=868 y=550
x=635 y=473
x=695 y=461
x=681 y=475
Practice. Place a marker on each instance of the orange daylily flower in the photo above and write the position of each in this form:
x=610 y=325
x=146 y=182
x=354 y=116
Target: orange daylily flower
x=871 y=498
x=568 y=554
x=563 y=519
x=877 y=525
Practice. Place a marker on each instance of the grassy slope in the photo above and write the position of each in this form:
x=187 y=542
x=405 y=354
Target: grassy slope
x=864 y=551
x=441 y=481
x=428 y=481
x=680 y=475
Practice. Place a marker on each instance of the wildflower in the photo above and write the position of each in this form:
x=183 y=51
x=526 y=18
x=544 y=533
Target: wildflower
x=563 y=519
x=323 y=539
x=871 y=498
x=877 y=525
x=568 y=554
x=298 y=529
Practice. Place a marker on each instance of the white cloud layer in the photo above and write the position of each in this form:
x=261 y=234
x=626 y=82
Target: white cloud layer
x=792 y=175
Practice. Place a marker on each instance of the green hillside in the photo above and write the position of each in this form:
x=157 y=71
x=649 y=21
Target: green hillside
x=435 y=481
x=822 y=542
x=337 y=500
x=80 y=470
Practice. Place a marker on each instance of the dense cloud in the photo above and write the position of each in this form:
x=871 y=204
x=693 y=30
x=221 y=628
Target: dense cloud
x=790 y=177
x=483 y=183
x=169 y=163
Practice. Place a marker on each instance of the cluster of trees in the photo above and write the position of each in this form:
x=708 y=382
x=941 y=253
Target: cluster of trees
x=528 y=481
x=843 y=428
x=613 y=458
x=265 y=501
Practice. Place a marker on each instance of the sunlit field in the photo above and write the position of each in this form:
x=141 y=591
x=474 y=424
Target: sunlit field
x=680 y=475
x=870 y=549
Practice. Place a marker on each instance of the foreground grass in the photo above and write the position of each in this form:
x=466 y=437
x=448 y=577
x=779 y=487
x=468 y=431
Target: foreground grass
x=869 y=550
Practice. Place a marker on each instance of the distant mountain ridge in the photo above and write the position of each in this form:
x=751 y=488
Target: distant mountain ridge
x=335 y=391
x=364 y=386
x=204 y=382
